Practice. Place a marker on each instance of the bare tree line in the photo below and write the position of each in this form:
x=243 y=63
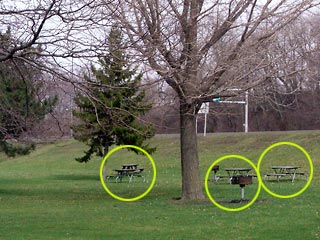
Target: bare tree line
x=287 y=101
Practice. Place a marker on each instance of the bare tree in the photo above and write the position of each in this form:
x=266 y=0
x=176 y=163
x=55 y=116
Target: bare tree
x=60 y=34
x=202 y=50
x=295 y=51
x=66 y=33
x=61 y=28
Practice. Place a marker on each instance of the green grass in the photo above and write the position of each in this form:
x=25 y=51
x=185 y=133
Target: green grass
x=48 y=195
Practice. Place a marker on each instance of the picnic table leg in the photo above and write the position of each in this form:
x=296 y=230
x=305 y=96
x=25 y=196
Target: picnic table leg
x=279 y=178
x=119 y=177
x=280 y=172
x=293 y=176
x=130 y=176
x=216 y=178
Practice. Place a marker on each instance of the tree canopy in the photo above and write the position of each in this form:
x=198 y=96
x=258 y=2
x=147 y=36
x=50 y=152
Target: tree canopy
x=20 y=105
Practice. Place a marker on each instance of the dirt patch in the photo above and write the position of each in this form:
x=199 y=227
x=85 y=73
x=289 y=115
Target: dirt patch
x=237 y=201
x=180 y=202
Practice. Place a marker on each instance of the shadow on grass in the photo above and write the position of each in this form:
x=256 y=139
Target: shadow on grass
x=246 y=201
x=72 y=186
x=179 y=201
x=53 y=194
x=15 y=192
x=75 y=177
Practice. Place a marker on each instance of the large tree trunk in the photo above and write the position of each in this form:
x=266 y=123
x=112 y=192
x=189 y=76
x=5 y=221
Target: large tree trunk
x=191 y=182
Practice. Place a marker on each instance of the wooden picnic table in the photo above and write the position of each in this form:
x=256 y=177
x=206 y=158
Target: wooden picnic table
x=127 y=170
x=282 y=171
x=237 y=175
x=231 y=172
x=237 y=171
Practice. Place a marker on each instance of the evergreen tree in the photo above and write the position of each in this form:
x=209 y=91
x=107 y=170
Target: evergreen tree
x=20 y=107
x=109 y=111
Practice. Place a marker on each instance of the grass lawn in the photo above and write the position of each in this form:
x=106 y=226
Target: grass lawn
x=48 y=195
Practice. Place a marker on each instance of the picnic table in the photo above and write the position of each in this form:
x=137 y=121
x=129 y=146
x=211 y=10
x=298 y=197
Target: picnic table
x=283 y=171
x=127 y=170
x=232 y=172
x=124 y=172
x=239 y=176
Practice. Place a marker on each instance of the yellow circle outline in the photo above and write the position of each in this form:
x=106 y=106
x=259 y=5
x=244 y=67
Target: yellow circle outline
x=207 y=188
x=304 y=152
x=116 y=196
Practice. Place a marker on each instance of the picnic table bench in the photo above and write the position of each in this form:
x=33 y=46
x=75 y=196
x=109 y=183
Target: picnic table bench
x=215 y=169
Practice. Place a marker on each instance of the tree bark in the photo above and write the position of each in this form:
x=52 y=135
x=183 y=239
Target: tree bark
x=191 y=182
x=105 y=152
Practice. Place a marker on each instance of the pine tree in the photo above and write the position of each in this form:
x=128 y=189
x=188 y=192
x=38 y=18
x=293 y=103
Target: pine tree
x=109 y=115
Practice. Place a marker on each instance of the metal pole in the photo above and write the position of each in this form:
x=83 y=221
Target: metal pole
x=246 y=121
x=242 y=192
x=71 y=104
x=71 y=116
x=197 y=124
x=205 y=125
